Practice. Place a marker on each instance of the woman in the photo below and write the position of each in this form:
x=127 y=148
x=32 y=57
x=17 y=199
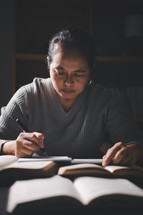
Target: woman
x=68 y=114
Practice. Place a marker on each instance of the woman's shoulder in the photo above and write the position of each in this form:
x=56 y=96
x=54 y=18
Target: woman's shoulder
x=40 y=82
x=103 y=95
x=99 y=90
x=36 y=85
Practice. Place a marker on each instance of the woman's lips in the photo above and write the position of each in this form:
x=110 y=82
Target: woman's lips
x=67 y=91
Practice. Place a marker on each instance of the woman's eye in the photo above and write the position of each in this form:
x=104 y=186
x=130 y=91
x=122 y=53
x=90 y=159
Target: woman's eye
x=78 y=75
x=60 y=73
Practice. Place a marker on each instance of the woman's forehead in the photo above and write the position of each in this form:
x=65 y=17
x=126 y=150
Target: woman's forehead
x=70 y=60
x=66 y=51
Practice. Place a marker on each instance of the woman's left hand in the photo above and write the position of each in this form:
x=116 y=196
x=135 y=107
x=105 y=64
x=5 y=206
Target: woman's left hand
x=123 y=154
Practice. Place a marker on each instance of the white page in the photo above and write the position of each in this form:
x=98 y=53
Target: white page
x=29 y=190
x=30 y=165
x=48 y=158
x=78 y=160
x=112 y=168
x=80 y=166
x=5 y=160
x=93 y=187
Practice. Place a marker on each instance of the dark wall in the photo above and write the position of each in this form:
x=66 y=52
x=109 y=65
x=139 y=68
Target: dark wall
x=6 y=49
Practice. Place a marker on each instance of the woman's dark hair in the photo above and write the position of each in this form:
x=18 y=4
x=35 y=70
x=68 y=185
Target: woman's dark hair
x=74 y=38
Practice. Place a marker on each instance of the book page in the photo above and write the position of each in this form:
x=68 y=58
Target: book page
x=30 y=190
x=125 y=170
x=112 y=168
x=81 y=168
x=30 y=165
x=5 y=160
x=90 y=188
x=79 y=160
x=46 y=158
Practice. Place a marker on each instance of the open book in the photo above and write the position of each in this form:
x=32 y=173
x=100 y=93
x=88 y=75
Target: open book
x=87 y=168
x=33 y=167
x=10 y=166
x=85 y=190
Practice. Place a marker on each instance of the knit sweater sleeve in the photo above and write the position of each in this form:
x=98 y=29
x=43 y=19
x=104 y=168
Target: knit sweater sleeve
x=16 y=108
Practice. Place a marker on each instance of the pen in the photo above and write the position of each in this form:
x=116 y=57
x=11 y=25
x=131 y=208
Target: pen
x=21 y=126
x=23 y=129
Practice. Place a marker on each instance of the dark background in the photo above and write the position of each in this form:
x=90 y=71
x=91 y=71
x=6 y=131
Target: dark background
x=26 y=26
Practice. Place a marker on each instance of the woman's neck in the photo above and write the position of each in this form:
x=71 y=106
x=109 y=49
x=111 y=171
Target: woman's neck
x=66 y=103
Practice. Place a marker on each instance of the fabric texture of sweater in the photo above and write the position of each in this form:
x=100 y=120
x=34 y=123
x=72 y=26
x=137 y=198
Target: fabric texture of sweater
x=80 y=132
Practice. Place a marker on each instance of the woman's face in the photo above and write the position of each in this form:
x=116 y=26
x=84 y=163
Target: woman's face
x=69 y=72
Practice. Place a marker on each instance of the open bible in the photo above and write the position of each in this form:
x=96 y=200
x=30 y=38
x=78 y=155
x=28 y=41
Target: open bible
x=38 y=167
x=11 y=167
x=94 y=169
x=82 y=191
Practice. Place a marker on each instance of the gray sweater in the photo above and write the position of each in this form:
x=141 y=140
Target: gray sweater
x=80 y=132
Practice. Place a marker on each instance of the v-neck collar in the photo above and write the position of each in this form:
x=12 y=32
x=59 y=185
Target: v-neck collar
x=75 y=107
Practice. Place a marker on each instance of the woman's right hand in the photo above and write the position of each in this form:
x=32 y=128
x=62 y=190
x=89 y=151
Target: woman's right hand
x=25 y=144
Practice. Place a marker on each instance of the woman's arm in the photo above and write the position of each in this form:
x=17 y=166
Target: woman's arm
x=11 y=140
x=25 y=144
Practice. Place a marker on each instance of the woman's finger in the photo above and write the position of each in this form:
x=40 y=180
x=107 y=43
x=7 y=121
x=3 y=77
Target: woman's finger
x=126 y=156
x=22 y=151
x=40 y=137
x=32 y=137
x=28 y=143
x=111 y=153
x=121 y=156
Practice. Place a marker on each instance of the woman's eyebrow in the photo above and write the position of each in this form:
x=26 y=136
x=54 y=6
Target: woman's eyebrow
x=78 y=70
x=81 y=71
x=59 y=67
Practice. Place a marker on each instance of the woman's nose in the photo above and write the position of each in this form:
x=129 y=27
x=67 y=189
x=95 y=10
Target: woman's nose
x=69 y=79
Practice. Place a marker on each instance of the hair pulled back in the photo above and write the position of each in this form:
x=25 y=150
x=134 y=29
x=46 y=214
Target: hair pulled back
x=74 y=38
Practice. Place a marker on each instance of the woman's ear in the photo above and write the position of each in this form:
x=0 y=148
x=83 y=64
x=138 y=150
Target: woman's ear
x=48 y=65
x=48 y=61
